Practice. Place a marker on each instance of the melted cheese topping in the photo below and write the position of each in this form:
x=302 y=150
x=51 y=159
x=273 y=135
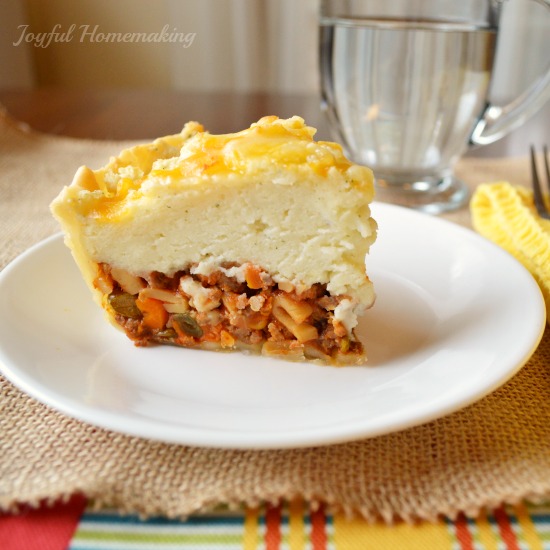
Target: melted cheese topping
x=196 y=157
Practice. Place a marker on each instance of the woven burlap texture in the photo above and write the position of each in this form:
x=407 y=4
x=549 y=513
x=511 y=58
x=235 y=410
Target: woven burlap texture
x=495 y=451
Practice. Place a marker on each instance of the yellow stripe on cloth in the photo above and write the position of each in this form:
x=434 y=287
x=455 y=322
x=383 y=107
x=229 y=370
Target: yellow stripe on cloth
x=296 y=532
x=360 y=535
x=486 y=535
x=505 y=214
x=251 y=536
x=530 y=535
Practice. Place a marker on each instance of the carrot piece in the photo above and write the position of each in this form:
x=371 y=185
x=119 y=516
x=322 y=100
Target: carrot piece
x=154 y=314
x=253 y=277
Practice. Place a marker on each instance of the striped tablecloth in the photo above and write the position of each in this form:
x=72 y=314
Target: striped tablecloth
x=77 y=526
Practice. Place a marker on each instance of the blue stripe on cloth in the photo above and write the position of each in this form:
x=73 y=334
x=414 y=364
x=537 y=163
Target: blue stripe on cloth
x=132 y=519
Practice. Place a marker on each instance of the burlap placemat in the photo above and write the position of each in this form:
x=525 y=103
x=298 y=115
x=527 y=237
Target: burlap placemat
x=495 y=451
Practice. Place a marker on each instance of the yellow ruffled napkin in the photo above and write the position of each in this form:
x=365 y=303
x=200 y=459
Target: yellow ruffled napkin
x=506 y=214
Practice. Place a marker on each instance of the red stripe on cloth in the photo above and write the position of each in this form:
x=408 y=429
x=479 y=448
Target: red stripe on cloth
x=318 y=529
x=463 y=534
x=273 y=528
x=506 y=532
x=44 y=528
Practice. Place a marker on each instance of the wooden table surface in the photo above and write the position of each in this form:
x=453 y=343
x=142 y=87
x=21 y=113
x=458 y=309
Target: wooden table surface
x=145 y=114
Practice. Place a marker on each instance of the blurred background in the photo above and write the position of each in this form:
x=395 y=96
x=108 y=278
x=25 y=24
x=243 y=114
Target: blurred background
x=238 y=45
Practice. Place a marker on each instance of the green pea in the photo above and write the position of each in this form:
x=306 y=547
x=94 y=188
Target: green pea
x=125 y=305
x=188 y=325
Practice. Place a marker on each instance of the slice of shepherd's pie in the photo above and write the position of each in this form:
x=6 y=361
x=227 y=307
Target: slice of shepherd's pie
x=254 y=240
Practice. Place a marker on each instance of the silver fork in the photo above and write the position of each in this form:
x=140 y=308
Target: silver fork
x=538 y=194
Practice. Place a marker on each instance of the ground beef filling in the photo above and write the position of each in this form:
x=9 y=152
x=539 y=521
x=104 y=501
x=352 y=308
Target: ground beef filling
x=221 y=310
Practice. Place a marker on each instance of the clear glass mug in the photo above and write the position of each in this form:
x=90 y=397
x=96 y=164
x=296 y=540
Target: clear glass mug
x=405 y=85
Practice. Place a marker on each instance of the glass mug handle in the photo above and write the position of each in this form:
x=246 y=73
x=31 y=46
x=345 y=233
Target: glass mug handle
x=496 y=121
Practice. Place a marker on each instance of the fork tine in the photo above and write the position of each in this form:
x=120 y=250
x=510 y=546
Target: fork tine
x=545 y=149
x=537 y=193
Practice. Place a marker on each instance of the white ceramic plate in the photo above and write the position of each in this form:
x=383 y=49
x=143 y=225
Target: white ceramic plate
x=455 y=317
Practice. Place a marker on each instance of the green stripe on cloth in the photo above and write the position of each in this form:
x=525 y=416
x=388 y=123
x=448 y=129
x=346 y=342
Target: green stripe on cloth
x=111 y=531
